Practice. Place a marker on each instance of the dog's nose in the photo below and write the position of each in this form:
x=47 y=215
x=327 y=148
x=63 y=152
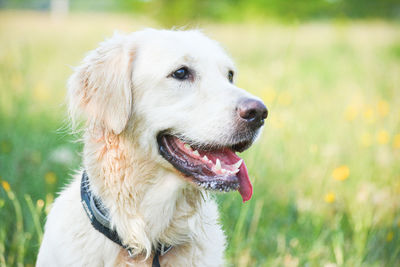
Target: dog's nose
x=253 y=111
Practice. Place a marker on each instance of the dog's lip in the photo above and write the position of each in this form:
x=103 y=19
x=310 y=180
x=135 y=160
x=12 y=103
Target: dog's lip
x=211 y=167
x=242 y=146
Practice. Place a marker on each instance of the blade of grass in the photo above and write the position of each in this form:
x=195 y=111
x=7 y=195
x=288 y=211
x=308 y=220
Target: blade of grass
x=35 y=216
x=238 y=233
x=2 y=248
x=19 y=237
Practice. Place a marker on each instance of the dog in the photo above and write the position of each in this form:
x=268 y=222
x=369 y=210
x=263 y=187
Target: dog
x=163 y=121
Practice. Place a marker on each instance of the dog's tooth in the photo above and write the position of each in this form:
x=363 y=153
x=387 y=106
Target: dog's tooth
x=235 y=171
x=218 y=165
x=196 y=153
x=205 y=158
x=188 y=147
x=237 y=164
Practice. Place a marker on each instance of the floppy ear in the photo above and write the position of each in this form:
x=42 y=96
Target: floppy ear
x=101 y=87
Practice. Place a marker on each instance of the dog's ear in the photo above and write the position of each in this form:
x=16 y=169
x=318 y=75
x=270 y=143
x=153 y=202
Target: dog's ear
x=101 y=87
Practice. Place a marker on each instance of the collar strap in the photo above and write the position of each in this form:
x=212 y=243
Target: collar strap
x=99 y=218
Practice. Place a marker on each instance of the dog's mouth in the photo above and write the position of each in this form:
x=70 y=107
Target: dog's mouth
x=211 y=168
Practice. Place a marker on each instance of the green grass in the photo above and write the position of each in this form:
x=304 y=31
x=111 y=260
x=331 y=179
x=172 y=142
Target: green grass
x=333 y=91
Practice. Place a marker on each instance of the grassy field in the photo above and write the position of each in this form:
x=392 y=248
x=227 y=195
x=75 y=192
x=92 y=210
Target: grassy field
x=326 y=170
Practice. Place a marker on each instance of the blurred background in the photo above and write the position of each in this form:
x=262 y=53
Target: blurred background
x=326 y=171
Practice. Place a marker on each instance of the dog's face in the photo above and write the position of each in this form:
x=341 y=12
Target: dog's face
x=175 y=89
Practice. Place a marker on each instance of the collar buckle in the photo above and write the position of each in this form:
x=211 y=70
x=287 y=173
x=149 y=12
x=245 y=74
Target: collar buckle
x=130 y=253
x=164 y=249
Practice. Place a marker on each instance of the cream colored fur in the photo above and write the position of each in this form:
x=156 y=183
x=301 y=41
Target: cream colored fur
x=124 y=91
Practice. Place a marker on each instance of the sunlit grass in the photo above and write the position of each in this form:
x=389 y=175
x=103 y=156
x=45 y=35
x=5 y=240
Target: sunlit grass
x=326 y=171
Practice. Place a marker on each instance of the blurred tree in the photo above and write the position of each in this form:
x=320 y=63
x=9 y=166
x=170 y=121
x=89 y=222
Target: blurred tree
x=187 y=12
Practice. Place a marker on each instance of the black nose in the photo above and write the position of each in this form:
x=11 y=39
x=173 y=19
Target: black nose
x=253 y=111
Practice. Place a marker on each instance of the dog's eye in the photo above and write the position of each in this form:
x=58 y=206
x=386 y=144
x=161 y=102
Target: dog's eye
x=181 y=74
x=230 y=76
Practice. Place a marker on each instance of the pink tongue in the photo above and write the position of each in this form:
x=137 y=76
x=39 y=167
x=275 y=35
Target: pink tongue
x=245 y=187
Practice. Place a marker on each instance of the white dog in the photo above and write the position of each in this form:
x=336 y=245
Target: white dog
x=163 y=122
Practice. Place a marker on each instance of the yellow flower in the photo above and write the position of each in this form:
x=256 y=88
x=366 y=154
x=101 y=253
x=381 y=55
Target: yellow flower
x=382 y=137
x=369 y=115
x=268 y=96
x=383 y=108
x=330 y=197
x=351 y=113
x=276 y=122
x=313 y=148
x=396 y=141
x=365 y=139
x=341 y=173
x=50 y=178
x=16 y=79
x=389 y=236
x=41 y=92
x=284 y=99
x=6 y=186
x=40 y=203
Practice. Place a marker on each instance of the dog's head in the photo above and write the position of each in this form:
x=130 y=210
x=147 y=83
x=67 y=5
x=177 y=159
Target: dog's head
x=175 y=90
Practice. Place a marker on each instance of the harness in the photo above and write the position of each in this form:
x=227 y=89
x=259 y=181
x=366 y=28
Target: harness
x=100 y=220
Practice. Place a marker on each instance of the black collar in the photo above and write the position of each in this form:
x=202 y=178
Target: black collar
x=99 y=217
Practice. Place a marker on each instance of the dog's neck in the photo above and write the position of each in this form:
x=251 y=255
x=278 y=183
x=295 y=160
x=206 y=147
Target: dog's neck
x=147 y=204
